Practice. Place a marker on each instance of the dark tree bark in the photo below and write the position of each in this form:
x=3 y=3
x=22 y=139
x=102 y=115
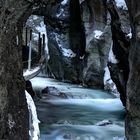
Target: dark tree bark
x=13 y=106
x=121 y=43
x=133 y=86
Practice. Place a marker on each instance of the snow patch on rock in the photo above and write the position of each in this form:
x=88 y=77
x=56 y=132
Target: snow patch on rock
x=65 y=52
x=64 y=2
x=68 y=52
x=112 y=57
x=121 y=4
x=42 y=30
x=98 y=34
x=129 y=35
x=109 y=85
x=34 y=131
x=104 y=123
x=30 y=72
x=60 y=13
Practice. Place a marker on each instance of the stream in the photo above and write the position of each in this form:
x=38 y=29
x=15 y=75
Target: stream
x=86 y=114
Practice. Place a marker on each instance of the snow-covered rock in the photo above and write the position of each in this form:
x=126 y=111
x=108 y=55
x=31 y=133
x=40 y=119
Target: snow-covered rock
x=38 y=26
x=34 y=131
x=68 y=52
x=97 y=34
x=121 y=4
x=104 y=122
x=112 y=57
x=109 y=85
x=129 y=35
x=64 y=2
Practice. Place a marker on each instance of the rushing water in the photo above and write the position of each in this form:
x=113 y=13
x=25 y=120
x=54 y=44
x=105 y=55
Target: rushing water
x=80 y=116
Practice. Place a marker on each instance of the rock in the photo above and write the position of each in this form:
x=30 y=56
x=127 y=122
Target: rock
x=109 y=85
x=29 y=88
x=53 y=91
x=98 y=42
x=79 y=40
x=104 y=123
x=133 y=84
x=67 y=136
x=119 y=70
x=66 y=39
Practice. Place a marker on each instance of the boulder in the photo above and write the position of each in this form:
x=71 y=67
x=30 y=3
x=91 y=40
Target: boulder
x=53 y=91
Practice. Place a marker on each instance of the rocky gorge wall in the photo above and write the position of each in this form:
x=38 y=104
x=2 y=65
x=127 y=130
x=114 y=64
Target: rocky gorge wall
x=74 y=60
x=80 y=42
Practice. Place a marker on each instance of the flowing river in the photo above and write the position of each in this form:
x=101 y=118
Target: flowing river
x=86 y=114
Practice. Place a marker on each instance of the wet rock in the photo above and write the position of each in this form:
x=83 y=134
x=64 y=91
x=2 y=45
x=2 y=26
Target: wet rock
x=29 y=88
x=53 y=91
x=67 y=136
x=104 y=123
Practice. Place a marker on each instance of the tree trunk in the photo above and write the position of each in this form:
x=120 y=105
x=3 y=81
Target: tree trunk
x=13 y=106
x=133 y=86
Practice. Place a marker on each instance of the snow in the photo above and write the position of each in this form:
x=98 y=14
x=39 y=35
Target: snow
x=82 y=57
x=107 y=77
x=112 y=57
x=121 y=4
x=35 y=36
x=103 y=123
x=97 y=34
x=81 y=1
x=30 y=72
x=65 y=52
x=109 y=84
x=42 y=29
x=35 y=17
x=129 y=35
x=60 y=13
x=35 y=122
x=68 y=52
x=64 y=2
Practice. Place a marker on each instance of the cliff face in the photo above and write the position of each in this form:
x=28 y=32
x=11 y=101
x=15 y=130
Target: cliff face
x=120 y=29
x=79 y=40
x=98 y=41
x=66 y=39
x=133 y=90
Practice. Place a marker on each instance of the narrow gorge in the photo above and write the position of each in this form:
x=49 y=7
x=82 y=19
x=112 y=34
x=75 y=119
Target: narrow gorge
x=89 y=72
